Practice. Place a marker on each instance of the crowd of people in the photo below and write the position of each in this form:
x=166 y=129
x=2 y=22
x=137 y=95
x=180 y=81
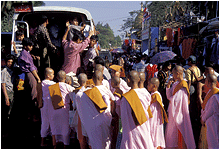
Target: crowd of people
x=125 y=103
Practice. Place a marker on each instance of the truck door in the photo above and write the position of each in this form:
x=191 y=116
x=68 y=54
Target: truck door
x=19 y=25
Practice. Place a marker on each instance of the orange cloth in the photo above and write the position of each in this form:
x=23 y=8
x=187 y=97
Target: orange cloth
x=90 y=82
x=116 y=68
x=96 y=97
x=136 y=106
x=56 y=96
x=156 y=98
x=181 y=142
x=207 y=97
x=117 y=94
x=180 y=85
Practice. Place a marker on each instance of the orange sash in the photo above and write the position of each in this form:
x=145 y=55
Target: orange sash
x=56 y=96
x=136 y=106
x=180 y=85
x=207 y=97
x=96 y=97
x=117 y=94
x=156 y=98
x=90 y=82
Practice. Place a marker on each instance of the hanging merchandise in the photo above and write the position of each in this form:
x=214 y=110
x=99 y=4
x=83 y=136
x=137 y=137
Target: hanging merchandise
x=169 y=37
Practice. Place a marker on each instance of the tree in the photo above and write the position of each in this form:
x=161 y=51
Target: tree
x=7 y=12
x=106 y=36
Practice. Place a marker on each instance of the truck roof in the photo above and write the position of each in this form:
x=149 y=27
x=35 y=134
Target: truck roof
x=61 y=8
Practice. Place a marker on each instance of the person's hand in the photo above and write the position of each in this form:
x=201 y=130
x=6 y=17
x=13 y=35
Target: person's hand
x=13 y=43
x=67 y=24
x=7 y=102
x=34 y=57
x=38 y=81
x=37 y=57
x=91 y=33
x=170 y=82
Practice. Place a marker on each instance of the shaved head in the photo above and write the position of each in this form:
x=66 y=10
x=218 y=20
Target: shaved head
x=155 y=81
x=68 y=79
x=209 y=70
x=48 y=71
x=61 y=75
x=178 y=69
x=142 y=76
x=212 y=78
x=82 y=78
x=98 y=75
x=134 y=76
x=99 y=67
x=115 y=80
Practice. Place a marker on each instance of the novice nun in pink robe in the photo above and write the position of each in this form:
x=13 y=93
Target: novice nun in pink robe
x=133 y=136
x=210 y=115
x=178 y=118
x=156 y=124
x=60 y=119
x=96 y=124
x=46 y=110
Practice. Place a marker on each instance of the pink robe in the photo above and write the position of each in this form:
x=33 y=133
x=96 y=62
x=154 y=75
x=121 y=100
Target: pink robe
x=47 y=107
x=178 y=119
x=210 y=115
x=97 y=125
x=136 y=137
x=123 y=86
x=156 y=124
x=60 y=118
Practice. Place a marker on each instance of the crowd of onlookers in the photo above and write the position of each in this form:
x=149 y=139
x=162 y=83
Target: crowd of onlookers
x=46 y=60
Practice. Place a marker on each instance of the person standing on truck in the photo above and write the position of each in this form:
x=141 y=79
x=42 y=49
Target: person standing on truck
x=72 y=48
x=44 y=46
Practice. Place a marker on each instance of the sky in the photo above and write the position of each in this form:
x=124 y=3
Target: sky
x=111 y=12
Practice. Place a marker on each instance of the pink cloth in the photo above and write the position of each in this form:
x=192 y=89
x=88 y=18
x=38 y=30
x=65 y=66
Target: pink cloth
x=97 y=125
x=106 y=83
x=136 y=137
x=156 y=124
x=47 y=107
x=60 y=118
x=71 y=54
x=178 y=119
x=123 y=86
x=210 y=115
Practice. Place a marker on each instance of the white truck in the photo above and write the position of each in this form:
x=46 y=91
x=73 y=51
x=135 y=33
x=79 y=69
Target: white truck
x=25 y=15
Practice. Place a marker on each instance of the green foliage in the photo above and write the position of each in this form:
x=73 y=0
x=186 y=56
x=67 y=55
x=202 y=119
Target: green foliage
x=168 y=10
x=106 y=36
x=7 y=12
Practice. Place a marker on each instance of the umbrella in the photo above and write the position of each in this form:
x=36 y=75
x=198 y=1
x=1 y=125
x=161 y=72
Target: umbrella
x=210 y=26
x=118 y=50
x=162 y=57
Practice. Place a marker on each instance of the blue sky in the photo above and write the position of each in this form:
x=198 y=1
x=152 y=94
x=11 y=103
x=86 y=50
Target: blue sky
x=111 y=12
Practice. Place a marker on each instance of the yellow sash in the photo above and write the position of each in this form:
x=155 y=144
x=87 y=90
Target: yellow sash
x=90 y=82
x=117 y=94
x=156 y=98
x=180 y=85
x=96 y=97
x=56 y=96
x=207 y=97
x=136 y=106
